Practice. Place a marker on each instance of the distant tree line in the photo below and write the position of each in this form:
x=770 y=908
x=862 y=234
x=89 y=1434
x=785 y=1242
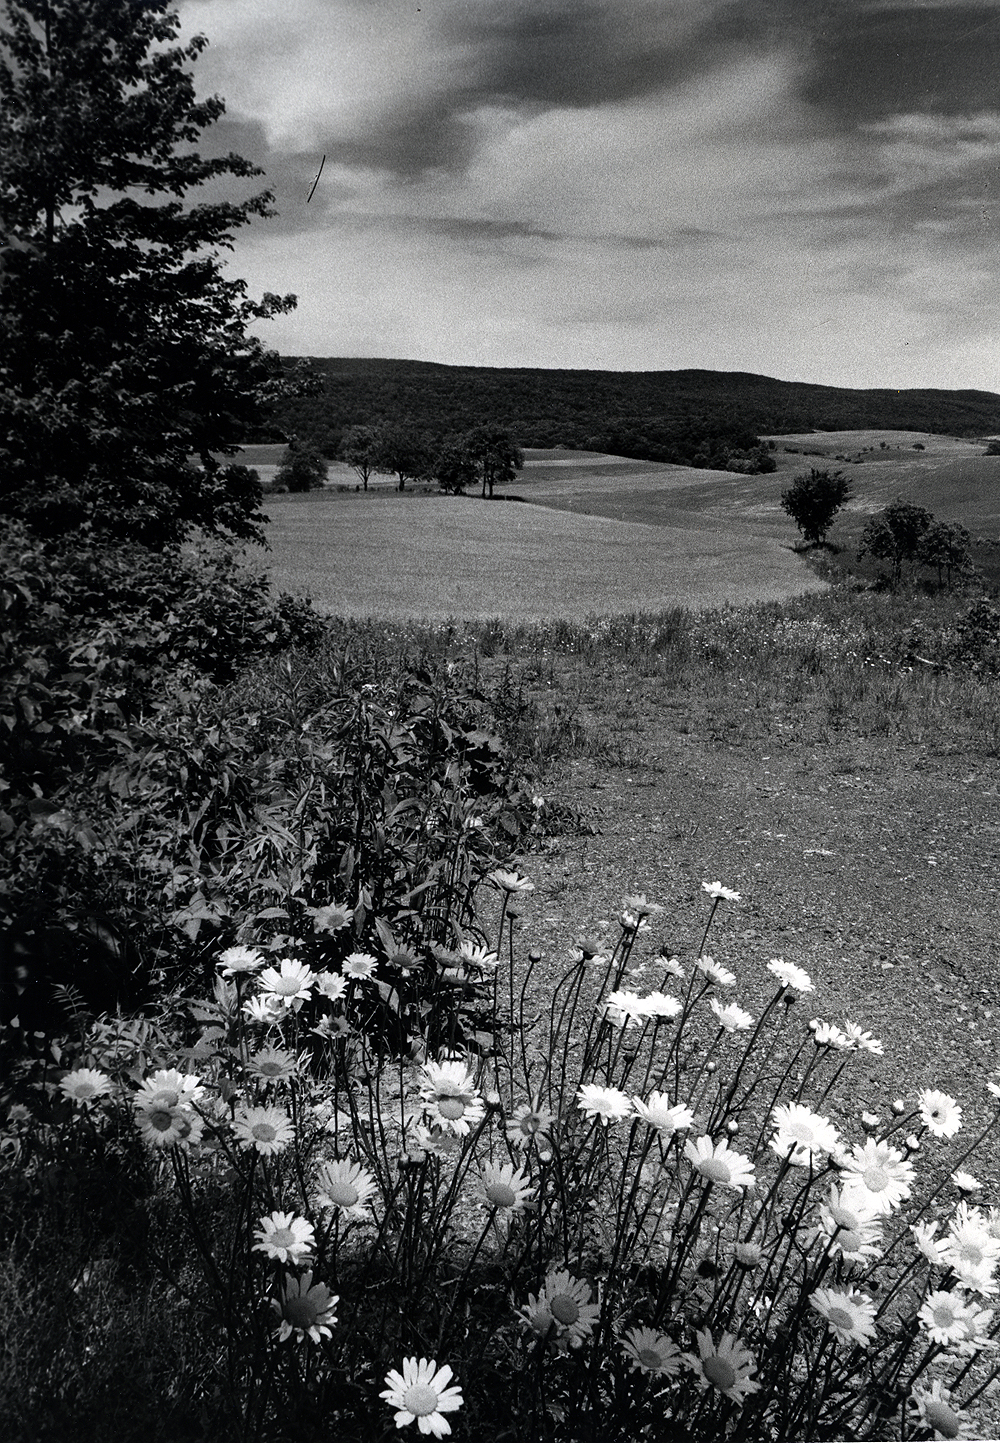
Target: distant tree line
x=695 y=418
x=485 y=456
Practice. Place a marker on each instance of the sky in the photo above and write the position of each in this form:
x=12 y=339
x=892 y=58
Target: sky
x=805 y=189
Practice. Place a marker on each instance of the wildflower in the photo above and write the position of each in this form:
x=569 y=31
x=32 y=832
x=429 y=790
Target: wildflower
x=421 y=1395
x=827 y=1034
x=404 y=959
x=660 y=1113
x=163 y=1126
x=265 y=1009
x=345 y=1186
x=510 y=882
x=631 y=923
x=945 y=1317
x=566 y=1301
x=870 y=1121
x=965 y=1182
x=239 y=960
x=441 y=1141
x=849 y=1315
x=505 y=1187
x=305 y=1309
x=529 y=1123
x=331 y=985
x=720 y=976
x=651 y=1352
x=622 y=1009
x=606 y=1103
x=976 y=1337
x=939 y=1113
x=661 y=1004
x=878 y=1174
x=931 y=1246
x=727 y=1366
x=291 y=984
x=639 y=906
x=971 y=1250
x=789 y=975
x=170 y=1086
x=331 y=918
x=861 y=1041
x=730 y=1017
x=719 y=893
x=748 y=1255
x=479 y=959
x=932 y=1409
x=272 y=1064
x=715 y=1163
x=672 y=966
x=285 y=1238
x=801 y=1131
x=849 y=1231
x=268 y=1129
x=450 y=1098
x=85 y=1085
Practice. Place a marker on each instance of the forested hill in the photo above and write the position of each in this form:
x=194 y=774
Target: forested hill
x=652 y=413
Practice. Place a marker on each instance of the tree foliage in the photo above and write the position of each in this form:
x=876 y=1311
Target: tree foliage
x=303 y=467
x=123 y=347
x=894 y=534
x=360 y=448
x=813 y=501
x=947 y=546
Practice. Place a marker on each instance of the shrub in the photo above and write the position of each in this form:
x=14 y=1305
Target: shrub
x=894 y=535
x=813 y=501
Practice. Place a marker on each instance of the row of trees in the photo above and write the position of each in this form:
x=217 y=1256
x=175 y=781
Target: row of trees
x=486 y=456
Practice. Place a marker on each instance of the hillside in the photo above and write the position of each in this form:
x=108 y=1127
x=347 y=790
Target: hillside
x=676 y=416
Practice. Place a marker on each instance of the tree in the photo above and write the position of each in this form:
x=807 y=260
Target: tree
x=360 y=447
x=947 y=546
x=303 y=467
x=124 y=350
x=405 y=453
x=813 y=501
x=455 y=466
x=894 y=534
x=496 y=454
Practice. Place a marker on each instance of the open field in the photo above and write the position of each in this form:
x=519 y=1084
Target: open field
x=411 y=555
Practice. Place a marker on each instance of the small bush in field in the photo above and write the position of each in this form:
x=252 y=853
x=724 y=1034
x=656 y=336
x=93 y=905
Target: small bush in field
x=813 y=501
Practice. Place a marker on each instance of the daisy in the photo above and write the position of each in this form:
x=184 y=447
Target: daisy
x=660 y=1113
x=715 y=1163
x=272 y=1064
x=720 y=976
x=827 y=1034
x=293 y=983
x=939 y=1113
x=851 y=1232
x=730 y=1017
x=265 y=1009
x=931 y=1246
x=878 y=1174
x=862 y=1041
x=163 y=1126
x=240 y=960
x=789 y=975
x=567 y=1301
x=505 y=1188
x=933 y=1410
x=421 y=1395
x=977 y=1338
x=331 y=918
x=450 y=1098
x=850 y=1315
x=345 y=1186
x=529 y=1123
x=479 y=959
x=85 y=1085
x=971 y=1251
x=800 y=1130
x=748 y=1255
x=305 y=1309
x=727 y=1367
x=268 y=1129
x=510 y=882
x=651 y=1352
x=331 y=985
x=170 y=1086
x=672 y=966
x=661 y=1004
x=608 y=1104
x=285 y=1238
x=946 y=1316
x=622 y=1009
x=965 y=1182
x=640 y=906
x=719 y=893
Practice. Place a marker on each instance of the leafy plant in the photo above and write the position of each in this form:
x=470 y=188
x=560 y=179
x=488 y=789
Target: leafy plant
x=813 y=501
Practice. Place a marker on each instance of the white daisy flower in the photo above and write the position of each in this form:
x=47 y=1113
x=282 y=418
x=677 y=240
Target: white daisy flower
x=420 y=1394
x=608 y=1104
x=933 y=1410
x=285 y=1238
x=505 y=1187
x=666 y=1117
x=85 y=1085
x=651 y=1352
x=267 y=1129
x=945 y=1317
x=726 y=1366
x=862 y=1041
x=730 y=1017
x=345 y=1186
x=939 y=1113
x=718 y=975
x=509 y=882
x=237 y=960
x=719 y=893
x=717 y=1164
x=291 y=983
x=799 y=1129
x=331 y=918
x=965 y=1182
x=305 y=1309
x=790 y=976
x=450 y=1098
x=878 y=1173
x=932 y=1247
x=828 y=1034
x=849 y=1315
x=331 y=985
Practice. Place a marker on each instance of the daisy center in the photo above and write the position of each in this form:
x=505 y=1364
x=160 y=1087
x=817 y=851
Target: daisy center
x=564 y=1309
x=344 y=1194
x=531 y=1124
x=420 y=1399
x=270 y=1069
x=719 y=1372
x=161 y=1120
x=941 y=1418
x=714 y=1169
x=944 y=1317
x=875 y=1178
x=301 y=1312
x=501 y=1195
x=841 y=1318
x=282 y=1238
x=650 y=1358
x=802 y=1133
x=452 y=1108
x=264 y=1132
